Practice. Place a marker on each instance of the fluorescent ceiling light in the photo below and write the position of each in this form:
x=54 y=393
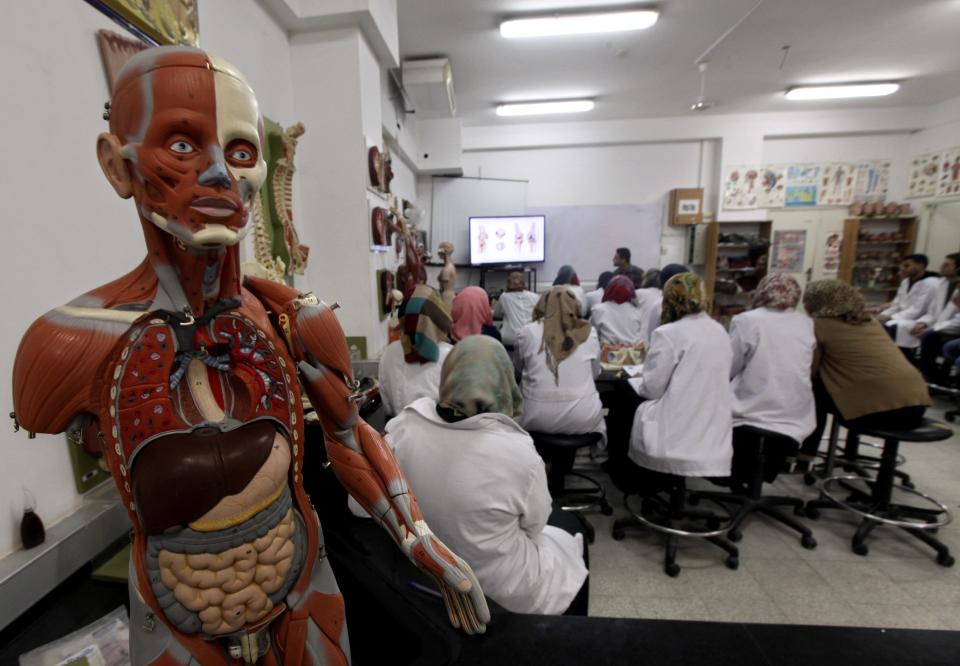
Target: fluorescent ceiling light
x=843 y=91
x=578 y=24
x=538 y=108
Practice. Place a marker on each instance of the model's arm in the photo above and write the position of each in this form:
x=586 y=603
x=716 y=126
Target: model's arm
x=363 y=463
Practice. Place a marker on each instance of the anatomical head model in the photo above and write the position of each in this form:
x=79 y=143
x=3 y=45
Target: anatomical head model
x=189 y=385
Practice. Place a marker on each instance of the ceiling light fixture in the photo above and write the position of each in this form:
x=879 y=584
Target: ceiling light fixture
x=538 y=108
x=578 y=24
x=842 y=91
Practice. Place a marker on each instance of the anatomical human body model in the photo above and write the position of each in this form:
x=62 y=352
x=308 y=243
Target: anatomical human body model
x=189 y=385
x=448 y=274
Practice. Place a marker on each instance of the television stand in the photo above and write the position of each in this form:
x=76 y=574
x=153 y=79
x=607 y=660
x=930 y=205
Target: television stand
x=529 y=271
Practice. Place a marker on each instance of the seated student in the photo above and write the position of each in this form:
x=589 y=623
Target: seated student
x=911 y=302
x=635 y=273
x=941 y=322
x=410 y=367
x=472 y=315
x=483 y=488
x=595 y=297
x=683 y=426
x=559 y=356
x=651 y=309
x=514 y=307
x=858 y=370
x=618 y=320
x=568 y=277
x=773 y=347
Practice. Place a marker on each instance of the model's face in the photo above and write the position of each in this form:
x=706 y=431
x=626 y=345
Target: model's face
x=199 y=163
x=948 y=268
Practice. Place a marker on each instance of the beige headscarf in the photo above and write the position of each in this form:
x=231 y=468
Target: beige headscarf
x=835 y=299
x=563 y=330
x=477 y=378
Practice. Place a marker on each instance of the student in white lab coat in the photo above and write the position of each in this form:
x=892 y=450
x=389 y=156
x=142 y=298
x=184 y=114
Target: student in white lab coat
x=568 y=277
x=773 y=346
x=559 y=356
x=483 y=488
x=941 y=322
x=595 y=297
x=652 y=302
x=911 y=302
x=618 y=320
x=684 y=426
x=514 y=307
x=410 y=367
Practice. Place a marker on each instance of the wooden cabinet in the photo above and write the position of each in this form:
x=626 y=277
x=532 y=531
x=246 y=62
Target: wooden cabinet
x=735 y=253
x=873 y=248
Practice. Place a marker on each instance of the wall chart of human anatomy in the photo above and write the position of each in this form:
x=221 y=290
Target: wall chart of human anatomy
x=803 y=181
x=836 y=184
x=773 y=183
x=949 y=173
x=924 y=175
x=873 y=178
x=741 y=187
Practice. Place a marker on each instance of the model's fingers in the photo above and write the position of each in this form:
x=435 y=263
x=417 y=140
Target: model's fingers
x=477 y=626
x=448 y=603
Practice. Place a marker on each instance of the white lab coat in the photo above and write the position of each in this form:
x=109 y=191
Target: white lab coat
x=684 y=426
x=939 y=303
x=948 y=321
x=651 y=314
x=571 y=407
x=577 y=291
x=594 y=298
x=515 y=308
x=482 y=489
x=618 y=323
x=401 y=383
x=908 y=306
x=770 y=375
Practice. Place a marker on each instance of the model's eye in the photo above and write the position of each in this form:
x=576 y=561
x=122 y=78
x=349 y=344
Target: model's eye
x=182 y=147
x=241 y=154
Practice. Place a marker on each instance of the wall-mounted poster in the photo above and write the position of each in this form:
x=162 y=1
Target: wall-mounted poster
x=773 y=184
x=831 y=253
x=803 y=181
x=836 y=184
x=156 y=21
x=872 y=180
x=741 y=185
x=949 y=173
x=789 y=248
x=924 y=175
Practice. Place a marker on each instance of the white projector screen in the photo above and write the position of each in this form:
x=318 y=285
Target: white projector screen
x=507 y=240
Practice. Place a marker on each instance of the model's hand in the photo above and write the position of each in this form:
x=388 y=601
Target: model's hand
x=466 y=605
x=919 y=329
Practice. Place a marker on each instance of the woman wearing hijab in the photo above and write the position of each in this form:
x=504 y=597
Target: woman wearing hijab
x=567 y=277
x=618 y=319
x=653 y=302
x=410 y=367
x=595 y=297
x=483 y=487
x=858 y=370
x=559 y=356
x=472 y=314
x=683 y=427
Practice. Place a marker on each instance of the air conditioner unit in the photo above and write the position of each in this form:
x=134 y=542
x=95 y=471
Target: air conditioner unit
x=429 y=83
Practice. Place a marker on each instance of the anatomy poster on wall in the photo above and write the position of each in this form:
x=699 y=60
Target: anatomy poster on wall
x=773 y=183
x=831 y=253
x=924 y=172
x=836 y=184
x=789 y=248
x=872 y=180
x=741 y=186
x=949 y=173
x=802 y=183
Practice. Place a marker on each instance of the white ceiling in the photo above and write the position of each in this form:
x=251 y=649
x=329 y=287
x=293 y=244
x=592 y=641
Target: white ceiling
x=652 y=72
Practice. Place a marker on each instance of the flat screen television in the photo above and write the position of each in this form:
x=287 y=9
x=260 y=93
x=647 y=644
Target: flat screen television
x=517 y=239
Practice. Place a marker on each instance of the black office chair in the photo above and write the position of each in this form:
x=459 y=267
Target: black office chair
x=758 y=455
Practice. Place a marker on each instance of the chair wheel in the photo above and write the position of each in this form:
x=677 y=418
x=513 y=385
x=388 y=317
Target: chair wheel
x=799 y=511
x=618 y=534
x=733 y=562
x=808 y=542
x=606 y=510
x=860 y=549
x=945 y=559
x=734 y=535
x=812 y=512
x=809 y=479
x=672 y=570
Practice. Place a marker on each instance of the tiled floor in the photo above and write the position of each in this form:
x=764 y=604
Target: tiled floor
x=897 y=585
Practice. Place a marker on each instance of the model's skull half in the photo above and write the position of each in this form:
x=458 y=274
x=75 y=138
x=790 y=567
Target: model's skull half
x=190 y=131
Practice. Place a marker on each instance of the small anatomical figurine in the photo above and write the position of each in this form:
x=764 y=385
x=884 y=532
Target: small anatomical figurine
x=189 y=385
x=448 y=274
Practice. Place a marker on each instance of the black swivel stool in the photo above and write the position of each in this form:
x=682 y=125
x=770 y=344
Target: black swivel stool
x=877 y=507
x=560 y=450
x=752 y=447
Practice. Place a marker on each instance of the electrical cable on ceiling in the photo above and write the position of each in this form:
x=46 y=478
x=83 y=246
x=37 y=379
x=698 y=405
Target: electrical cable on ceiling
x=703 y=56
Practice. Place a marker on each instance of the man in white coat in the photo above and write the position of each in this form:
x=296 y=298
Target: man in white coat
x=911 y=302
x=941 y=322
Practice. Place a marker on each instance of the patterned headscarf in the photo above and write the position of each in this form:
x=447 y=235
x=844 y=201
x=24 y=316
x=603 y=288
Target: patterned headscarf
x=425 y=323
x=682 y=296
x=669 y=271
x=566 y=275
x=835 y=299
x=777 y=291
x=563 y=330
x=604 y=279
x=471 y=310
x=477 y=378
x=620 y=290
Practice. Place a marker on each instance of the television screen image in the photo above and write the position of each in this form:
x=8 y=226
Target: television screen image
x=507 y=240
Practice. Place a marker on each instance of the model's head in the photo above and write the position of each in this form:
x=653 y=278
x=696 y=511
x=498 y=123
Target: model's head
x=185 y=142
x=445 y=249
